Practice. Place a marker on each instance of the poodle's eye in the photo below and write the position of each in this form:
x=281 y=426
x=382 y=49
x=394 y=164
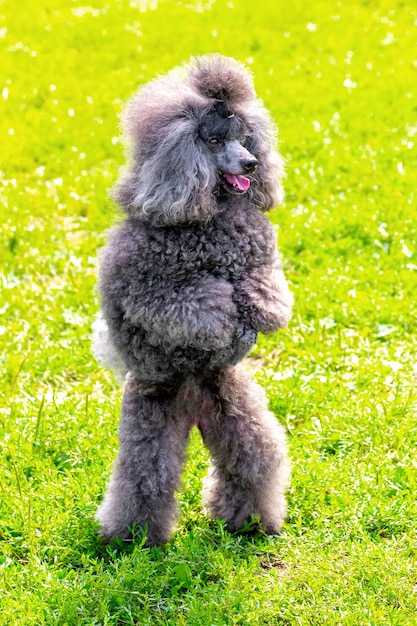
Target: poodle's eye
x=215 y=141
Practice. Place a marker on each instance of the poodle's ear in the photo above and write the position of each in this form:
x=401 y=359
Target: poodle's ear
x=172 y=173
x=267 y=190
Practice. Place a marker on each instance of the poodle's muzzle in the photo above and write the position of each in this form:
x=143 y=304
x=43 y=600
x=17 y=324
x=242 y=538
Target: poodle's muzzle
x=234 y=162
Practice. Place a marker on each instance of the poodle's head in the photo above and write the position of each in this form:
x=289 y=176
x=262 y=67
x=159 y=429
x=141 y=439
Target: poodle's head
x=199 y=137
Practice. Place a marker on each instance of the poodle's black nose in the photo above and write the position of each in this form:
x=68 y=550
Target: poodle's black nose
x=249 y=165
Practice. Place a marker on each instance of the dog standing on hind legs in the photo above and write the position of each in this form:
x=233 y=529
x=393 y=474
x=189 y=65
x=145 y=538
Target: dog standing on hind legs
x=187 y=280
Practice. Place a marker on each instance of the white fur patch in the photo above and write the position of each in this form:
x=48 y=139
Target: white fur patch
x=103 y=348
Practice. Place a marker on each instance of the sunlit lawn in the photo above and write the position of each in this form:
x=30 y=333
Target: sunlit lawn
x=341 y=81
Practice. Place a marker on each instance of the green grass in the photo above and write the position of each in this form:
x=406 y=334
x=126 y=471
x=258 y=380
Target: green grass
x=341 y=81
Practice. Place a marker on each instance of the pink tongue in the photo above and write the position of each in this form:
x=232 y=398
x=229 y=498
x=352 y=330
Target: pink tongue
x=241 y=182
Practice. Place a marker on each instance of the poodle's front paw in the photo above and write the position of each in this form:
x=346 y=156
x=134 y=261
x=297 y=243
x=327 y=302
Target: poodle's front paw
x=246 y=335
x=269 y=299
x=215 y=331
x=214 y=326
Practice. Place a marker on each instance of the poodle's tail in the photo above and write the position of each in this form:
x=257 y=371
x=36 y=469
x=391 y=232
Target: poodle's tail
x=104 y=349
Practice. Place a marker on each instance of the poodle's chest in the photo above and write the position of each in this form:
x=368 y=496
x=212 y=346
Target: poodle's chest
x=223 y=249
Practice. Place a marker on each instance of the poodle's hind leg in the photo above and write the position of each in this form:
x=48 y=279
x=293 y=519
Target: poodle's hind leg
x=141 y=492
x=250 y=469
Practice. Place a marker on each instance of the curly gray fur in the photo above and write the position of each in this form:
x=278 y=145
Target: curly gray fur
x=187 y=280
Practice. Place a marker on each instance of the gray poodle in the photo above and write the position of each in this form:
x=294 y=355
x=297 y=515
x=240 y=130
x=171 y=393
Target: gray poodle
x=187 y=280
